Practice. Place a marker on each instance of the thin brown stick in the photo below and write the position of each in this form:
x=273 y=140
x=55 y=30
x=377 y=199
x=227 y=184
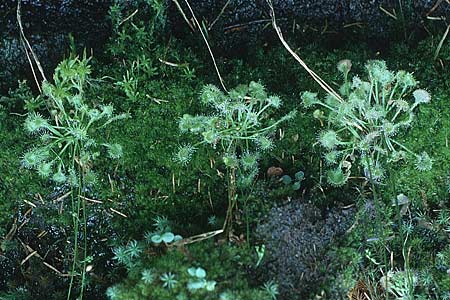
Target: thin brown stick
x=207 y=45
x=441 y=42
x=111 y=183
x=32 y=67
x=172 y=64
x=197 y=238
x=219 y=15
x=24 y=222
x=35 y=253
x=60 y=198
x=392 y=15
x=316 y=77
x=90 y=200
x=357 y=24
x=234 y=26
x=118 y=212
x=129 y=17
x=435 y=6
x=183 y=14
x=12 y=231
x=28 y=257
x=28 y=48
x=30 y=203
x=53 y=268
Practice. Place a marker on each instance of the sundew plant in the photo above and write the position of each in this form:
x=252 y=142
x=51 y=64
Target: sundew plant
x=66 y=148
x=365 y=123
x=239 y=127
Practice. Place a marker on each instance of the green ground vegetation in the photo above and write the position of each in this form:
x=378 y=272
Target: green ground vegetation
x=156 y=80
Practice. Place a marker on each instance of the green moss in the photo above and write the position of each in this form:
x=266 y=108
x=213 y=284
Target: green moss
x=164 y=81
x=17 y=184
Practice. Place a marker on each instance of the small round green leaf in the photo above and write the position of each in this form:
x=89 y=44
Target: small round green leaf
x=299 y=175
x=196 y=285
x=210 y=285
x=168 y=237
x=200 y=273
x=156 y=239
x=286 y=179
x=191 y=271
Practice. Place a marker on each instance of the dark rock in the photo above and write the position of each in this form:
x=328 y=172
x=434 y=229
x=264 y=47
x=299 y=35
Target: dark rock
x=243 y=22
x=297 y=237
x=47 y=25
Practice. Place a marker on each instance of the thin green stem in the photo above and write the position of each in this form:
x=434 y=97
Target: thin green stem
x=403 y=147
x=378 y=210
x=83 y=276
x=75 y=228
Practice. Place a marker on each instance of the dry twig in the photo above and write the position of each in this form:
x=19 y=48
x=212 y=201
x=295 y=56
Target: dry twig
x=316 y=77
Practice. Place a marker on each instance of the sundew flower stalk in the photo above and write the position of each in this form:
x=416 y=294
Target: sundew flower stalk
x=239 y=126
x=66 y=147
x=367 y=121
